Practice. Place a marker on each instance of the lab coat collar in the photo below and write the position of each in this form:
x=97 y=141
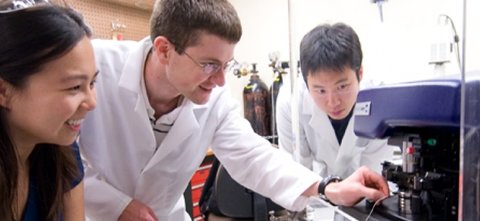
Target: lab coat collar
x=133 y=70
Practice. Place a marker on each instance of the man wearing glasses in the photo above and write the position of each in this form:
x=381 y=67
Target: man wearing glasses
x=331 y=64
x=161 y=104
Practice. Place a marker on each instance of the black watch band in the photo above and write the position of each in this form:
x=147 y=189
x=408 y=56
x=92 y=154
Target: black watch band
x=327 y=180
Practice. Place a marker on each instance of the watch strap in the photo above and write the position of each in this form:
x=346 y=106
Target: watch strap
x=327 y=180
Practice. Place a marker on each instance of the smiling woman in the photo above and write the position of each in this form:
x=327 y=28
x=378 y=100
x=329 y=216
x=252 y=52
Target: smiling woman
x=46 y=89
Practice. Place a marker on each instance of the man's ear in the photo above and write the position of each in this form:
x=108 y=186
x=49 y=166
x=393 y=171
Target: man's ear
x=5 y=93
x=162 y=48
x=360 y=73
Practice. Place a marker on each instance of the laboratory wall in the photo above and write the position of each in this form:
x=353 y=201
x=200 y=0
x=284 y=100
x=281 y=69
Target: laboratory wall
x=109 y=20
x=413 y=41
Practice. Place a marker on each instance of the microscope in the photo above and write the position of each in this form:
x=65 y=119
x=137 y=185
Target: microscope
x=422 y=118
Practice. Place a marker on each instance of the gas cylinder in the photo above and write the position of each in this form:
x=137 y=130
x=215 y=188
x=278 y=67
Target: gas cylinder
x=256 y=105
x=274 y=89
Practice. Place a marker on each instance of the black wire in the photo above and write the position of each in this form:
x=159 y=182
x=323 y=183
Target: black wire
x=456 y=39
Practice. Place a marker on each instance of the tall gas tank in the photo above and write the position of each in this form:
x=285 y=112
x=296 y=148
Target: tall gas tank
x=256 y=105
x=274 y=89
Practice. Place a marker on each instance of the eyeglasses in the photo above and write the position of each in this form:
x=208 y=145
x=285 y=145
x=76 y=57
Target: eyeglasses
x=15 y=5
x=211 y=68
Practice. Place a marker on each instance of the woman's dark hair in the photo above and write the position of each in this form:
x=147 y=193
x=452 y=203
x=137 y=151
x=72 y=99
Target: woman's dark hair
x=31 y=38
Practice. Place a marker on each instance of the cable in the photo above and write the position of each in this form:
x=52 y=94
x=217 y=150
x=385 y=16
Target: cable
x=456 y=39
x=373 y=207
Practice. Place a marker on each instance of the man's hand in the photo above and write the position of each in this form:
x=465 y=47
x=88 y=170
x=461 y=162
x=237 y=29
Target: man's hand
x=137 y=211
x=363 y=183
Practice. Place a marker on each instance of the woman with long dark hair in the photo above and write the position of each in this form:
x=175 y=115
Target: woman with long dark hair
x=47 y=74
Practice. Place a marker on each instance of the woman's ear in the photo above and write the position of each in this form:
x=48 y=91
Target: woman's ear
x=5 y=93
x=162 y=49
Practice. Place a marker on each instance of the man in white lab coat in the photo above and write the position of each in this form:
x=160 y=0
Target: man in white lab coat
x=331 y=65
x=161 y=104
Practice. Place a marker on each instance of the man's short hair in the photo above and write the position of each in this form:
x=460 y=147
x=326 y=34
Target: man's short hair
x=182 y=21
x=330 y=47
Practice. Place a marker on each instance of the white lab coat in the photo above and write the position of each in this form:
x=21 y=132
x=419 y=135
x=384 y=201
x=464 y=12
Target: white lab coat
x=319 y=149
x=118 y=145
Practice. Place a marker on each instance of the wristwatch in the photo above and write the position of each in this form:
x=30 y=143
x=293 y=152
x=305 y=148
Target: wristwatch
x=327 y=180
